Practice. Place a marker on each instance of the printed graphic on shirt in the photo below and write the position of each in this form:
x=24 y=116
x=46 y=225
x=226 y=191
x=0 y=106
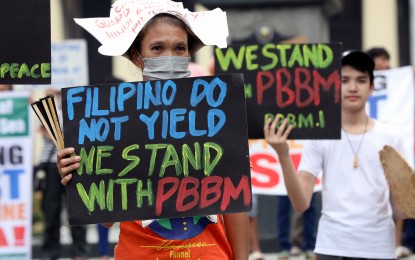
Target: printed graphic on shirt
x=180 y=228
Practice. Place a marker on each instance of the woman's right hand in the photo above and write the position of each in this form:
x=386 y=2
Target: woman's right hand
x=66 y=164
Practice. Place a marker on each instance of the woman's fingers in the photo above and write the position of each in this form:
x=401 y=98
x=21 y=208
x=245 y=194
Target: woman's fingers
x=65 y=153
x=66 y=164
x=66 y=179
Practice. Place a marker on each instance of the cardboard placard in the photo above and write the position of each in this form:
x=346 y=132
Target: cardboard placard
x=300 y=82
x=157 y=149
x=25 y=56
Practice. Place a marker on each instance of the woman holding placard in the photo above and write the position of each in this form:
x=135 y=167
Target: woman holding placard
x=159 y=37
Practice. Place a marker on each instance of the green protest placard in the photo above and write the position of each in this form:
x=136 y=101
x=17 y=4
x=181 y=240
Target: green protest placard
x=300 y=82
x=157 y=149
x=25 y=55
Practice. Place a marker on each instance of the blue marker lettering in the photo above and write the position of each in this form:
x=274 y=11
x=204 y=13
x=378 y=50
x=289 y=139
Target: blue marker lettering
x=213 y=127
x=168 y=85
x=176 y=115
x=148 y=94
x=216 y=82
x=123 y=96
x=72 y=99
x=139 y=95
x=117 y=124
x=192 y=125
x=95 y=105
x=165 y=124
x=88 y=103
x=195 y=98
x=112 y=99
x=150 y=121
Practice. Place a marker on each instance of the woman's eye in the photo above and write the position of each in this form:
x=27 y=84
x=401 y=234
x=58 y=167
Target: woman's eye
x=156 y=48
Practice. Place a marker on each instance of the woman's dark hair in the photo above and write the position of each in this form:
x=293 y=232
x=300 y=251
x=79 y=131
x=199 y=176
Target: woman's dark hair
x=192 y=39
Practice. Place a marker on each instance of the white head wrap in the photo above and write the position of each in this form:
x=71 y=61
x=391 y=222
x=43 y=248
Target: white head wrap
x=117 y=32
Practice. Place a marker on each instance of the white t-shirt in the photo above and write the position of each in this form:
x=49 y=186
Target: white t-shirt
x=356 y=218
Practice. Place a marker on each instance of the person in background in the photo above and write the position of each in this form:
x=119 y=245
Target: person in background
x=166 y=41
x=284 y=226
x=357 y=206
x=405 y=229
x=381 y=58
x=256 y=252
x=6 y=87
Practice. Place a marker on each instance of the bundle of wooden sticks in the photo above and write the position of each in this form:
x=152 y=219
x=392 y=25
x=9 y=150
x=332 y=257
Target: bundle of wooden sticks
x=45 y=110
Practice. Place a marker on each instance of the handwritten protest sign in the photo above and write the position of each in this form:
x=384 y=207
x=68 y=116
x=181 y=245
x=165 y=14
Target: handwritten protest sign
x=25 y=45
x=157 y=149
x=300 y=82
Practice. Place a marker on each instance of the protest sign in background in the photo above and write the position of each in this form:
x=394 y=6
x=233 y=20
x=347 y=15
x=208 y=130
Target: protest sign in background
x=15 y=176
x=391 y=102
x=25 y=45
x=157 y=149
x=69 y=65
x=300 y=82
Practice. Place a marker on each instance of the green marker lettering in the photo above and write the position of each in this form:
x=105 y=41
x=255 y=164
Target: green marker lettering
x=102 y=152
x=135 y=160
x=305 y=122
x=154 y=148
x=170 y=158
x=24 y=69
x=193 y=158
x=310 y=54
x=124 y=198
x=144 y=193
x=283 y=56
x=209 y=164
x=267 y=54
x=321 y=119
x=225 y=60
x=94 y=194
x=45 y=70
x=326 y=55
x=110 y=195
x=87 y=160
x=296 y=57
x=250 y=57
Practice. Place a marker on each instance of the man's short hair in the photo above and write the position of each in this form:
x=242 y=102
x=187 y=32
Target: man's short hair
x=360 y=61
x=378 y=52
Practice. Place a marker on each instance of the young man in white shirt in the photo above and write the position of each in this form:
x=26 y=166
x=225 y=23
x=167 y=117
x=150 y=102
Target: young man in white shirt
x=356 y=220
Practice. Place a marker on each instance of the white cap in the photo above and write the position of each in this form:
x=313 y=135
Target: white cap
x=117 y=32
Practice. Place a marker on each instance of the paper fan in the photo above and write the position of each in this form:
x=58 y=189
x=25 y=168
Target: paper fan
x=401 y=179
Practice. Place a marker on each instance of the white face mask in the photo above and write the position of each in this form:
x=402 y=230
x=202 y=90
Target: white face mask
x=166 y=67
